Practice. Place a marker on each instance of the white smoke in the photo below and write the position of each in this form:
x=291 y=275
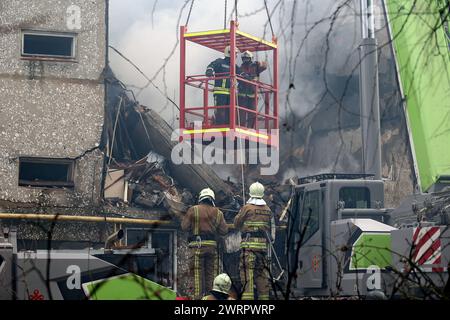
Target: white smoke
x=328 y=43
x=148 y=38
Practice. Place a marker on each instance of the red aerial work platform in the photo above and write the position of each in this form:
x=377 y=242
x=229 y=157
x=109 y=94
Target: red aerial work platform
x=265 y=129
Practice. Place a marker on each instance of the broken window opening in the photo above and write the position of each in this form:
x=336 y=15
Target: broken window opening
x=163 y=242
x=40 y=172
x=48 y=44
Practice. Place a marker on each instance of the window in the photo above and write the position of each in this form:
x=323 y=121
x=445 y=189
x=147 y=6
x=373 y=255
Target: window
x=162 y=241
x=139 y=237
x=48 y=44
x=40 y=172
x=309 y=220
x=355 y=197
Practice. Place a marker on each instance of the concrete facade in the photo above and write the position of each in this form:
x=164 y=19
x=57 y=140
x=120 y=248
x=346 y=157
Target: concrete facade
x=53 y=108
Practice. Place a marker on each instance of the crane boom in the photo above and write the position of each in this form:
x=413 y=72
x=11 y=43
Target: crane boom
x=420 y=39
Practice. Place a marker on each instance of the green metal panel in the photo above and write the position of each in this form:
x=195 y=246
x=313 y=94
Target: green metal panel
x=127 y=287
x=422 y=53
x=371 y=249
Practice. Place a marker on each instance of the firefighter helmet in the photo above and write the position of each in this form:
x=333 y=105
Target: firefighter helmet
x=222 y=283
x=206 y=193
x=227 y=49
x=256 y=190
x=247 y=54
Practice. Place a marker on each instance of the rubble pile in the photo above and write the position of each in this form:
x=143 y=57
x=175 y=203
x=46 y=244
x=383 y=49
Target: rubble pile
x=147 y=185
x=153 y=182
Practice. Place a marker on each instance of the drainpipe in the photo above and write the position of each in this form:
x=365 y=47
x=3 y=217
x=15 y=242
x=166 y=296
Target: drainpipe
x=369 y=93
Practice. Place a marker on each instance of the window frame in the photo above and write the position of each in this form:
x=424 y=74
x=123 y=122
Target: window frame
x=69 y=183
x=369 y=203
x=309 y=233
x=172 y=248
x=148 y=231
x=73 y=56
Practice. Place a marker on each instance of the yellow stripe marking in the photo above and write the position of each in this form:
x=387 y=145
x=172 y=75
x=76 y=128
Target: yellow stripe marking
x=202 y=243
x=206 y=33
x=270 y=44
x=255 y=134
x=251 y=276
x=197 y=273
x=206 y=130
x=197 y=222
x=254 y=223
x=225 y=31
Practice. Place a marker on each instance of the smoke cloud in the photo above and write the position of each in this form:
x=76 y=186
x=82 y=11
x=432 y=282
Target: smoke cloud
x=318 y=43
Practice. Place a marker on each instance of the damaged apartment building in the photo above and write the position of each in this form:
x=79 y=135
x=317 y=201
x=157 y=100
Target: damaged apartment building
x=77 y=147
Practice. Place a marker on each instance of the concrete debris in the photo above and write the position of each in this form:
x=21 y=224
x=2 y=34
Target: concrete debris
x=149 y=187
x=156 y=158
x=142 y=136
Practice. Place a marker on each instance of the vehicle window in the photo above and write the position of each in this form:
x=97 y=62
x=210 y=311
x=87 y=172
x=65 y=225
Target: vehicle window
x=355 y=197
x=309 y=221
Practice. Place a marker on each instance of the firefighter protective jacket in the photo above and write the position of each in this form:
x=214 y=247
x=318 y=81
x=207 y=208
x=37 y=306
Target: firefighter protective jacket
x=221 y=67
x=205 y=221
x=250 y=71
x=255 y=221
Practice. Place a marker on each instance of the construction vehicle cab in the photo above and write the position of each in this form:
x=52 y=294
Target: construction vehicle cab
x=324 y=209
x=198 y=123
x=342 y=241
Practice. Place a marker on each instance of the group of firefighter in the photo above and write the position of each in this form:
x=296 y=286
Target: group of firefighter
x=206 y=224
x=248 y=72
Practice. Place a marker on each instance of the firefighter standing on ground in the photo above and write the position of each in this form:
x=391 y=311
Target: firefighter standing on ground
x=255 y=221
x=221 y=288
x=203 y=222
x=219 y=68
x=249 y=70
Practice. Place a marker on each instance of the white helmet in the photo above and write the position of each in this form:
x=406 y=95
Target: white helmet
x=247 y=54
x=227 y=50
x=256 y=190
x=222 y=283
x=206 y=193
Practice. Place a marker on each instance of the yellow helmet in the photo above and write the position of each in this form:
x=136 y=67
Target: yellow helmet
x=222 y=283
x=256 y=190
x=206 y=193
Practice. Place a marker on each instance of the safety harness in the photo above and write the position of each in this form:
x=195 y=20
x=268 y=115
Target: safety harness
x=198 y=239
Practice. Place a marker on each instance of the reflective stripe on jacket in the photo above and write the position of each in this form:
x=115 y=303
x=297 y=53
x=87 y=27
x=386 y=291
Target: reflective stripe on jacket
x=221 y=67
x=204 y=219
x=250 y=219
